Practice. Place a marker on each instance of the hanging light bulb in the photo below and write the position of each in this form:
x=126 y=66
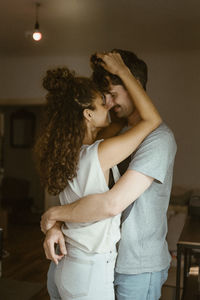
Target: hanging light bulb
x=37 y=35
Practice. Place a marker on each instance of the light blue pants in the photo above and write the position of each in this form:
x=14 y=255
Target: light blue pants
x=51 y=286
x=81 y=275
x=145 y=286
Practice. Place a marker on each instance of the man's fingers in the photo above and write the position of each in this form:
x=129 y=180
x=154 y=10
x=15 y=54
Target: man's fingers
x=42 y=228
x=46 y=225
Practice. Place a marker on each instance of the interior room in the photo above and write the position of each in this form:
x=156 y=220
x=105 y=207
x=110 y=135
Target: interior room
x=166 y=35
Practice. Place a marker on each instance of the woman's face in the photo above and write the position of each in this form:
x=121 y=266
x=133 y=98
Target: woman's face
x=100 y=113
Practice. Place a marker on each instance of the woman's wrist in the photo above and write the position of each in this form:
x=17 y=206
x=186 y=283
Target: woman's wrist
x=124 y=72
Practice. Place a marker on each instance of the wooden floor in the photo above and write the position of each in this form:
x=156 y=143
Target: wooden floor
x=26 y=260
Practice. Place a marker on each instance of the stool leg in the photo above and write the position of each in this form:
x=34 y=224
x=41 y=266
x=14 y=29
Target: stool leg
x=185 y=272
x=178 y=272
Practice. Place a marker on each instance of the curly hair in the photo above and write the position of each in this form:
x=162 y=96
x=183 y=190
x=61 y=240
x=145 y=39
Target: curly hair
x=58 y=146
x=137 y=67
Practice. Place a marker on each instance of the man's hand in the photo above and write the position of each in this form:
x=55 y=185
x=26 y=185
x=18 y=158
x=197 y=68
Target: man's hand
x=46 y=222
x=54 y=236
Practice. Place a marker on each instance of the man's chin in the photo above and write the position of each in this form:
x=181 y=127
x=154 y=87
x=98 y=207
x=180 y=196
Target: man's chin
x=116 y=108
x=117 y=111
x=119 y=114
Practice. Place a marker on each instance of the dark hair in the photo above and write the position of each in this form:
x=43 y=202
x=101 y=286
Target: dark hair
x=58 y=146
x=137 y=67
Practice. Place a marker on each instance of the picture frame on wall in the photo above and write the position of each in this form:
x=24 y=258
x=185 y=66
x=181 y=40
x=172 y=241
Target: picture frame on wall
x=22 y=129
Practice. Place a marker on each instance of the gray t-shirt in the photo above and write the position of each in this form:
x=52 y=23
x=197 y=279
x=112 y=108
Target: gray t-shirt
x=143 y=246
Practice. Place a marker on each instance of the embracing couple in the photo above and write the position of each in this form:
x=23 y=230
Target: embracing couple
x=110 y=230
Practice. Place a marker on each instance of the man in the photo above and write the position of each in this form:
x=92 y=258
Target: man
x=143 y=256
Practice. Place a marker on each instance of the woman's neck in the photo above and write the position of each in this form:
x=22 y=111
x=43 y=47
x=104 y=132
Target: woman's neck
x=90 y=136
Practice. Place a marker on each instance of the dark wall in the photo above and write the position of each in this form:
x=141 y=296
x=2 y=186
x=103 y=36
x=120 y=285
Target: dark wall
x=18 y=162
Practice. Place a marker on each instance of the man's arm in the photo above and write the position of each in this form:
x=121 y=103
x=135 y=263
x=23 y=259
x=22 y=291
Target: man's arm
x=153 y=159
x=100 y=206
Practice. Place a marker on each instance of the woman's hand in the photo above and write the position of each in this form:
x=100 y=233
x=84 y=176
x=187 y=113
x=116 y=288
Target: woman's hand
x=113 y=63
x=47 y=222
x=53 y=237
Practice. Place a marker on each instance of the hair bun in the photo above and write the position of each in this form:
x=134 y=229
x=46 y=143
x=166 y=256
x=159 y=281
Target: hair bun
x=59 y=79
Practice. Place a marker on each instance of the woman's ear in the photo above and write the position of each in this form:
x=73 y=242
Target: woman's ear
x=87 y=113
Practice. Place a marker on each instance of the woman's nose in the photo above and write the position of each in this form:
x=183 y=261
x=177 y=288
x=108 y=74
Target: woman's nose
x=109 y=101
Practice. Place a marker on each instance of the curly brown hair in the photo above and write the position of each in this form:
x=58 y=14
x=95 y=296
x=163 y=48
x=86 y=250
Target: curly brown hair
x=136 y=65
x=58 y=146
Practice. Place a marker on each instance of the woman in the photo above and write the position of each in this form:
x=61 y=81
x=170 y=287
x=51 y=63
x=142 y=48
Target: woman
x=73 y=165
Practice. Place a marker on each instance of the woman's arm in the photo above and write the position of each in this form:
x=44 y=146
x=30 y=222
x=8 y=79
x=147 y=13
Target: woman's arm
x=114 y=150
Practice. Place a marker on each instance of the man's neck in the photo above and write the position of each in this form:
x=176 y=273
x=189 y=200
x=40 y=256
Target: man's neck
x=133 y=119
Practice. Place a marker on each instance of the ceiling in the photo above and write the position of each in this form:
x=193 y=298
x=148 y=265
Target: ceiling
x=79 y=27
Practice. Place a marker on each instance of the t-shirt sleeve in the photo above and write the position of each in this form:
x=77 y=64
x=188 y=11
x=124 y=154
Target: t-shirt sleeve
x=155 y=155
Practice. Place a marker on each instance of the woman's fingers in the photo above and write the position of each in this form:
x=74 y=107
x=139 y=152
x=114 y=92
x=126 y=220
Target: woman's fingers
x=54 y=236
x=62 y=245
x=112 y=62
x=50 y=253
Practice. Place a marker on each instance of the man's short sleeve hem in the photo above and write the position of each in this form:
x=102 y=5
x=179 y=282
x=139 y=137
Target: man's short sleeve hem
x=160 y=179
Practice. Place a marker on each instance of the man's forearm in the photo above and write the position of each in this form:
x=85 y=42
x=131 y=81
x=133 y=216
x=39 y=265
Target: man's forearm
x=101 y=206
x=87 y=209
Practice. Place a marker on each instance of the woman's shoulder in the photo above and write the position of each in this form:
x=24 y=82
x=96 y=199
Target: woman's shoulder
x=87 y=150
x=89 y=178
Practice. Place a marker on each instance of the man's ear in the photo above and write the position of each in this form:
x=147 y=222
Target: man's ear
x=87 y=113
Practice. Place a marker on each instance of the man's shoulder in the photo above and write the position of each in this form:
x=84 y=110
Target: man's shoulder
x=155 y=154
x=162 y=134
x=161 y=140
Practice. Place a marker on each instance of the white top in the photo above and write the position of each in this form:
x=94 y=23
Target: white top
x=97 y=237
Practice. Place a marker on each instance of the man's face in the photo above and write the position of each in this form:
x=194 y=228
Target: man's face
x=119 y=101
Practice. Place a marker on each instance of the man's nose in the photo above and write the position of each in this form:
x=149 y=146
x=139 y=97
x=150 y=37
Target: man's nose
x=109 y=101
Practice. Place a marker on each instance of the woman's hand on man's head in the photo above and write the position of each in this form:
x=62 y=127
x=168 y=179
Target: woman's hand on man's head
x=112 y=62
